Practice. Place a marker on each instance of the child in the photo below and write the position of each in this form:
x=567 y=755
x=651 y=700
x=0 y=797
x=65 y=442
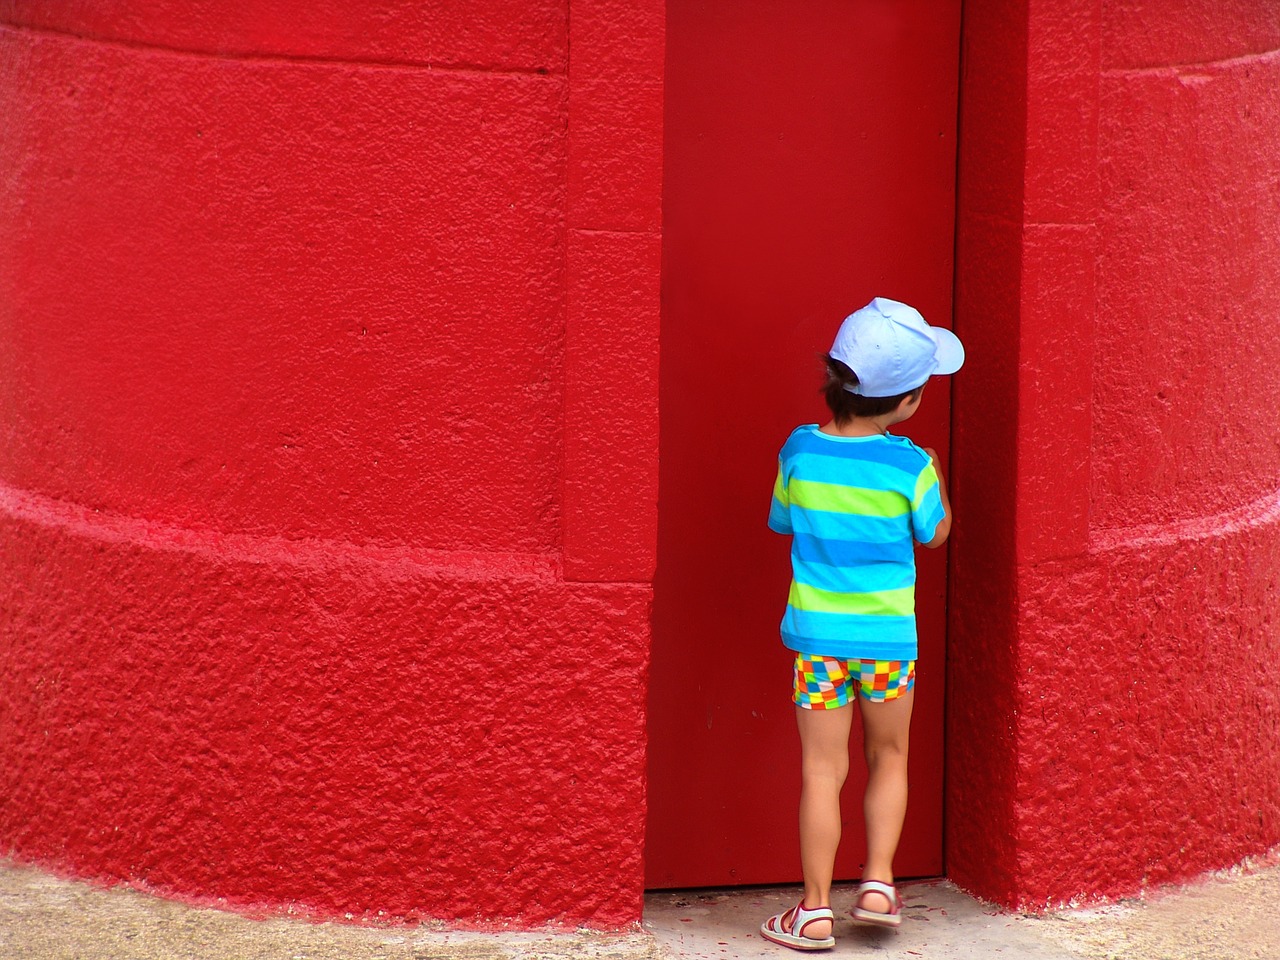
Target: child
x=854 y=497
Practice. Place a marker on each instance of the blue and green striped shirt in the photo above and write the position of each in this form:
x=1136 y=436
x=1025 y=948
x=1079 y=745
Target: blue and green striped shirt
x=854 y=506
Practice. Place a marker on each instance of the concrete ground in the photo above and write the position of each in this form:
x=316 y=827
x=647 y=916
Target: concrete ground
x=1230 y=916
x=1234 y=915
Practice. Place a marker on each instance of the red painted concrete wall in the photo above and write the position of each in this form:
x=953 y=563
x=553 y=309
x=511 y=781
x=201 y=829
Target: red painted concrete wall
x=1115 y=633
x=328 y=432
x=328 y=423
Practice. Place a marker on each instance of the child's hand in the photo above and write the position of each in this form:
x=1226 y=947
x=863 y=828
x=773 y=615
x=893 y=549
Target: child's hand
x=944 y=526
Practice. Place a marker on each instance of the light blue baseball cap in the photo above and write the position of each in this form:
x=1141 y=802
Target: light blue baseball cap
x=893 y=350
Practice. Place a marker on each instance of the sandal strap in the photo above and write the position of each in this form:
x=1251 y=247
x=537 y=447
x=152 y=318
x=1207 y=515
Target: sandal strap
x=803 y=916
x=887 y=890
x=875 y=886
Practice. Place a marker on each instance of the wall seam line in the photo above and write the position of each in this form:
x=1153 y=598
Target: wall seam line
x=1174 y=68
x=394 y=561
x=417 y=66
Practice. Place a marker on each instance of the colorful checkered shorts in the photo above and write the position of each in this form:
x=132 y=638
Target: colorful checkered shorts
x=824 y=683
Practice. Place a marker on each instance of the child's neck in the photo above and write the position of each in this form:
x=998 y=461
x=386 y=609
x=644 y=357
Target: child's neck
x=859 y=427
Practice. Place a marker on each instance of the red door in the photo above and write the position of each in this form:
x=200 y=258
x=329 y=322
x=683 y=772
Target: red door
x=810 y=165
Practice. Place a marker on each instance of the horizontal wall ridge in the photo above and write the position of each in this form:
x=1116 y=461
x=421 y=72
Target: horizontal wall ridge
x=460 y=69
x=1082 y=225
x=605 y=232
x=1259 y=512
x=1267 y=57
x=314 y=554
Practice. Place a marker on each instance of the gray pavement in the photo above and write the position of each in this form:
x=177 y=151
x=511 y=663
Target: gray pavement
x=1232 y=915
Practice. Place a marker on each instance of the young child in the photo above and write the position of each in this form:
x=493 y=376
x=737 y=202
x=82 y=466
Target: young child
x=854 y=497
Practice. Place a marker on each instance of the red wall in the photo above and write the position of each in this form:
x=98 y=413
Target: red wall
x=328 y=389
x=328 y=346
x=1115 y=678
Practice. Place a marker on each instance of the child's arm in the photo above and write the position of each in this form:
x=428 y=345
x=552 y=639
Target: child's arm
x=943 y=529
x=779 y=509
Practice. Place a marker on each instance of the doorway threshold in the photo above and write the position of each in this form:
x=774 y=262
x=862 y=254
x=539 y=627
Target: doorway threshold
x=940 y=922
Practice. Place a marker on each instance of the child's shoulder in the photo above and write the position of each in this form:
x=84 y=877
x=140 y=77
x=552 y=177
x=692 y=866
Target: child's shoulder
x=903 y=454
x=907 y=450
x=798 y=437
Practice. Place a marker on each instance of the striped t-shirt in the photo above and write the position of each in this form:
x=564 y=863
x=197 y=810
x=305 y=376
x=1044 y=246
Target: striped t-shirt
x=853 y=506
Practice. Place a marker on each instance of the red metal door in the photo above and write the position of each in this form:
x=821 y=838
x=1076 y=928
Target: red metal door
x=810 y=165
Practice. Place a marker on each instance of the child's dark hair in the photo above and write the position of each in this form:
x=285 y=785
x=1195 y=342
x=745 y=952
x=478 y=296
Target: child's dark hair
x=845 y=405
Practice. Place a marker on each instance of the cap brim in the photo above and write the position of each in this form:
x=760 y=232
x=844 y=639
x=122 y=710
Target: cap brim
x=950 y=351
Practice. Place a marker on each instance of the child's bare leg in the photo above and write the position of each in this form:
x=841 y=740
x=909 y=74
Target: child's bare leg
x=824 y=747
x=885 y=733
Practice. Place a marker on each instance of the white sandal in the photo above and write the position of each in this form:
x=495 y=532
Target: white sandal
x=891 y=919
x=788 y=928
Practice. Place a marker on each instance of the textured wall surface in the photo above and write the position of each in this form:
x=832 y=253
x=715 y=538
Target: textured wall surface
x=328 y=344
x=321 y=496
x=1124 y=582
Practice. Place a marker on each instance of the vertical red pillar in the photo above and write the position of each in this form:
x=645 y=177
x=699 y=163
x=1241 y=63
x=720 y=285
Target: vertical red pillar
x=1115 y=702
x=309 y=556
x=614 y=219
